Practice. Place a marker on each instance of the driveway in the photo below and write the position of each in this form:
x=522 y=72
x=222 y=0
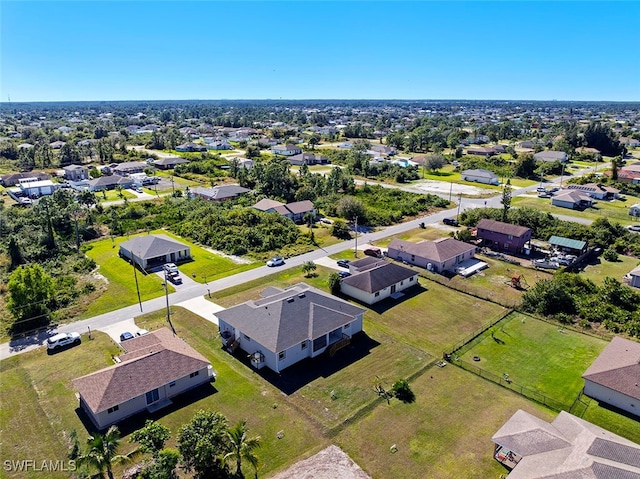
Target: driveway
x=115 y=330
x=203 y=308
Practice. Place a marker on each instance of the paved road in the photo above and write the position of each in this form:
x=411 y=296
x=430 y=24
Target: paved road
x=193 y=290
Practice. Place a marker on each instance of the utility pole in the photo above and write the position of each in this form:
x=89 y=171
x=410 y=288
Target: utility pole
x=450 y=190
x=561 y=175
x=459 y=203
x=355 y=251
x=166 y=295
x=135 y=275
x=173 y=190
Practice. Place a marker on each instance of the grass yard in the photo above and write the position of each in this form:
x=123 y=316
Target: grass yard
x=119 y=273
x=416 y=235
x=446 y=433
x=614 y=211
x=625 y=426
x=599 y=270
x=113 y=195
x=536 y=355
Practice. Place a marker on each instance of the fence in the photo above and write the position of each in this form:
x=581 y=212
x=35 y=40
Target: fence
x=505 y=382
x=456 y=348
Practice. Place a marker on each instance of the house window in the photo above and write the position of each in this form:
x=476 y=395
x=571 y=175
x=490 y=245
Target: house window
x=319 y=343
x=172 y=383
x=411 y=279
x=246 y=337
x=413 y=258
x=348 y=325
x=401 y=283
x=377 y=294
x=303 y=345
x=282 y=355
x=153 y=396
x=510 y=237
x=194 y=374
x=112 y=409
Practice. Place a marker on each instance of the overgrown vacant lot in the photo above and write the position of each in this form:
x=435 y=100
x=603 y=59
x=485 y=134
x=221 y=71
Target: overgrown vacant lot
x=446 y=433
x=599 y=269
x=536 y=355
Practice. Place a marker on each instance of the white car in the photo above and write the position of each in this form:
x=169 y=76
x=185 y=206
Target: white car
x=141 y=332
x=170 y=268
x=61 y=340
x=275 y=261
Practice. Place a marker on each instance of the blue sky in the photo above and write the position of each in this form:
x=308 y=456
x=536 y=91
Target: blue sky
x=121 y=50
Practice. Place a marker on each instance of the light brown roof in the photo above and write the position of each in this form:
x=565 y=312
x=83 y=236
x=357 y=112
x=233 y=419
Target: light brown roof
x=618 y=367
x=150 y=361
x=266 y=204
x=298 y=207
x=440 y=250
x=503 y=228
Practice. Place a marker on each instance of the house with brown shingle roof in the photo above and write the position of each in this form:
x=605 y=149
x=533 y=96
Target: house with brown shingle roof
x=503 y=236
x=443 y=254
x=295 y=211
x=568 y=447
x=155 y=368
x=614 y=377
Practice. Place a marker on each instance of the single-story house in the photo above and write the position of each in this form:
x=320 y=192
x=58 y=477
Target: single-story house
x=286 y=150
x=527 y=144
x=568 y=447
x=481 y=176
x=190 y=147
x=572 y=199
x=597 y=191
x=373 y=280
x=169 y=163
x=568 y=245
x=287 y=326
x=36 y=189
x=550 y=156
x=385 y=150
x=129 y=167
x=635 y=277
x=76 y=172
x=626 y=176
x=503 y=236
x=296 y=211
x=56 y=145
x=219 y=145
x=629 y=141
x=307 y=159
x=154 y=368
x=110 y=182
x=443 y=254
x=245 y=163
x=219 y=193
x=614 y=376
x=481 y=150
x=12 y=179
x=635 y=210
x=151 y=250
x=25 y=146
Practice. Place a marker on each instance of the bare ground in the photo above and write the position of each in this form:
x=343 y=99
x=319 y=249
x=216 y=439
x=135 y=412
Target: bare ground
x=330 y=463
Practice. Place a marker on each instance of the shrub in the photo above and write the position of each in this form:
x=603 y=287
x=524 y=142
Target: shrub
x=610 y=255
x=402 y=391
x=334 y=283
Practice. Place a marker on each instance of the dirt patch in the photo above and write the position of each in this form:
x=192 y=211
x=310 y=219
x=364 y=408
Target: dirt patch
x=330 y=463
x=432 y=186
x=234 y=258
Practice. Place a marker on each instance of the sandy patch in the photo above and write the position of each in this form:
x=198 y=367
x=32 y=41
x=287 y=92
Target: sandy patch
x=330 y=463
x=235 y=259
x=432 y=186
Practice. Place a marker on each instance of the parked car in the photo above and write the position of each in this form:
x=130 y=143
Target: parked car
x=343 y=263
x=125 y=336
x=275 y=261
x=141 y=332
x=174 y=278
x=450 y=221
x=170 y=268
x=61 y=340
x=326 y=221
x=634 y=228
x=375 y=252
x=343 y=274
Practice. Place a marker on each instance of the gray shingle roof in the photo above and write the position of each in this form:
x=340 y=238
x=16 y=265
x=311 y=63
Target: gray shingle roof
x=220 y=192
x=152 y=246
x=440 y=250
x=617 y=367
x=288 y=317
x=151 y=361
x=379 y=277
x=503 y=228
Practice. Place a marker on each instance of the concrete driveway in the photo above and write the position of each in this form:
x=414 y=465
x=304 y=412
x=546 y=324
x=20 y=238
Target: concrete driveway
x=200 y=306
x=115 y=330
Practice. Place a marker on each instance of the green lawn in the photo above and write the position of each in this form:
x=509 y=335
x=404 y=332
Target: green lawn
x=613 y=210
x=112 y=195
x=536 y=355
x=624 y=426
x=448 y=174
x=602 y=268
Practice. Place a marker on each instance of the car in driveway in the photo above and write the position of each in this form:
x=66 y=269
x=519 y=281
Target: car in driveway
x=141 y=332
x=126 y=336
x=375 y=252
x=343 y=263
x=275 y=261
x=450 y=221
x=170 y=268
x=61 y=340
x=634 y=228
x=343 y=274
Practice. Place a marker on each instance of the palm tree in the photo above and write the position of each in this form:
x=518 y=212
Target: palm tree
x=102 y=452
x=242 y=447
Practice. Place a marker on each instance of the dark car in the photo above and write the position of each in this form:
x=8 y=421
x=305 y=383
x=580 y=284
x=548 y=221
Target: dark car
x=635 y=228
x=126 y=335
x=375 y=252
x=343 y=274
x=450 y=221
x=343 y=263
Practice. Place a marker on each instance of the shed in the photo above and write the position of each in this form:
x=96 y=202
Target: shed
x=568 y=245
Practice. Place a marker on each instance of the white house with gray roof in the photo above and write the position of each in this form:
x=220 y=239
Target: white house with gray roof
x=481 y=176
x=614 y=377
x=568 y=447
x=287 y=326
x=443 y=254
x=154 y=250
x=373 y=280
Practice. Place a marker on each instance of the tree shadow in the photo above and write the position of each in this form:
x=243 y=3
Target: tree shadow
x=308 y=370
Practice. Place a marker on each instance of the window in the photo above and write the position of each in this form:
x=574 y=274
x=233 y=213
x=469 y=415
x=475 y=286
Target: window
x=282 y=355
x=194 y=374
x=303 y=345
x=112 y=409
x=319 y=343
x=246 y=337
x=411 y=279
x=510 y=237
x=152 y=396
x=377 y=294
x=172 y=383
x=413 y=258
x=348 y=325
x=401 y=283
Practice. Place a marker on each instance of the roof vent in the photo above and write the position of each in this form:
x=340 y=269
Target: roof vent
x=301 y=295
x=290 y=300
